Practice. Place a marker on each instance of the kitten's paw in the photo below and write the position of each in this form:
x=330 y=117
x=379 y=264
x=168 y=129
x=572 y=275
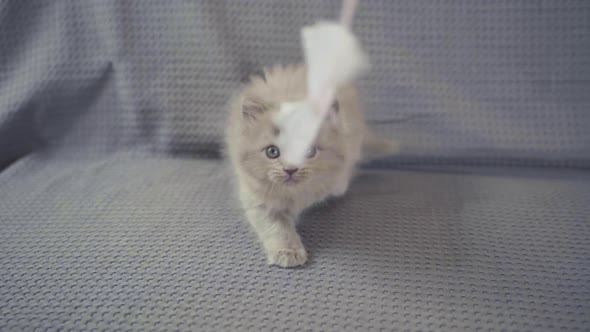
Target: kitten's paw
x=339 y=192
x=287 y=257
x=340 y=189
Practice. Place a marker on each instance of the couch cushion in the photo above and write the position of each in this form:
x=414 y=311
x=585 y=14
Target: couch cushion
x=132 y=242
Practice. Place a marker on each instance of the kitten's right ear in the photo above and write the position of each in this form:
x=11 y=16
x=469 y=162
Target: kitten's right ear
x=252 y=107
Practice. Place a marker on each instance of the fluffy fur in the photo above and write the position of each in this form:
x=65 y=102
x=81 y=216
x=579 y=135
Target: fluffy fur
x=272 y=199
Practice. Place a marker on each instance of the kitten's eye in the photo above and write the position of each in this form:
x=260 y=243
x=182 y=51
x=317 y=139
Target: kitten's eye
x=273 y=152
x=311 y=152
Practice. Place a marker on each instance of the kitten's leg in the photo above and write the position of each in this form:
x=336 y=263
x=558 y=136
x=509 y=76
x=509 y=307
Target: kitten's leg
x=278 y=235
x=340 y=187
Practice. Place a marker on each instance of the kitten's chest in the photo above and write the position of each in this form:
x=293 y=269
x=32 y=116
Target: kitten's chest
x=296 y=201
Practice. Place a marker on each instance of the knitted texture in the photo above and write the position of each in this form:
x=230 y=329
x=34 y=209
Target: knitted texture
x=506 y=81
x=109 y=221
x=142 y=244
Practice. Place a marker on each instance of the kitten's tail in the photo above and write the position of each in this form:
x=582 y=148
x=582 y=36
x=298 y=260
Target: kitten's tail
x=378 y=147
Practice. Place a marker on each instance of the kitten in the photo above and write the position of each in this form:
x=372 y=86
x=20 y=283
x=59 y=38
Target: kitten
x=273 y=193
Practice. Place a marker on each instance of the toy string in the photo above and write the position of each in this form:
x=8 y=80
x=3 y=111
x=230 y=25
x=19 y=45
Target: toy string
x=347 y=13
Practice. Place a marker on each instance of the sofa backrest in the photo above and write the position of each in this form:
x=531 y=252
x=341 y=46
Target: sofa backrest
x=495 y=81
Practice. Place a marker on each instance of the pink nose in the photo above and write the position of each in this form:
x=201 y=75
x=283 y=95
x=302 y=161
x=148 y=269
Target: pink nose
x=290 y=171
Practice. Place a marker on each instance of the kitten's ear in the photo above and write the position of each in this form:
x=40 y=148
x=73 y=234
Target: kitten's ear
x=252 y=107
x=335 y=108
x=333 y=113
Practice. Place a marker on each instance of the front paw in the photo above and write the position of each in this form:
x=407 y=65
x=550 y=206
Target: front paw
x=339 y=191
x=340 y=188
x=287 y=257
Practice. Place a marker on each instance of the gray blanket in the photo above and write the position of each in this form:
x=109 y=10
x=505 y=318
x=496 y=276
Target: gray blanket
x=115 y=212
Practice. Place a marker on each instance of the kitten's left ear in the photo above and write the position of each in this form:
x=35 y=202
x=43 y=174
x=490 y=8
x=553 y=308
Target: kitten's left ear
x=333 y=113
x=252 y=107
x=335 y=108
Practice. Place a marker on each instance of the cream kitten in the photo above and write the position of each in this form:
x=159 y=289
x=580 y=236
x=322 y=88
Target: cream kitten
x=272 y=192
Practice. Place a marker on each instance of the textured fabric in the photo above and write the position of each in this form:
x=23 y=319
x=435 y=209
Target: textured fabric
x=133 y=243
x=498 y=80
x=104 y=225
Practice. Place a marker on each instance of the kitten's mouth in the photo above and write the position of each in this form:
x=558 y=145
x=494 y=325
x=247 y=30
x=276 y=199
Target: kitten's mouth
x=290 y=181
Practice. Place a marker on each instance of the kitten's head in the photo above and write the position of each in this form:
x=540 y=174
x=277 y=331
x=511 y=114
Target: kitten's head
x=260 y=152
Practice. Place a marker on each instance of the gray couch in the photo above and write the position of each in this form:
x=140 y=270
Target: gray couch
x=115 y=211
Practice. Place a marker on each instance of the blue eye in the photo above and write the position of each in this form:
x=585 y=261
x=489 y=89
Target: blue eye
x=311 y=152
x=272 y=152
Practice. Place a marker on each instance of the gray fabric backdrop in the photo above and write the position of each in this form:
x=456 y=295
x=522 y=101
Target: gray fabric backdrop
x=111 y=219
x=503 y=81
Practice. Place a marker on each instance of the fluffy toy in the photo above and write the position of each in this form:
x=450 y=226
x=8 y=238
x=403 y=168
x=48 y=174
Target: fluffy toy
x=333 y=57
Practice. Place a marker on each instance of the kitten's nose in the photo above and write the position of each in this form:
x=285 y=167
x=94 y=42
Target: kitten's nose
x=290 y=171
